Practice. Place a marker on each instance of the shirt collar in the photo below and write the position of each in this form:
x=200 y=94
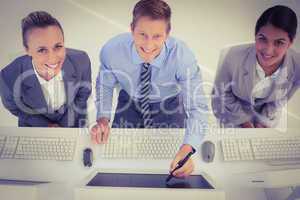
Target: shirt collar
x=261 y=73
x=157 y=62
x=58 y=77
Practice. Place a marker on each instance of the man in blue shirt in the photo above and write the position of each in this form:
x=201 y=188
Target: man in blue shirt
x=159 y=79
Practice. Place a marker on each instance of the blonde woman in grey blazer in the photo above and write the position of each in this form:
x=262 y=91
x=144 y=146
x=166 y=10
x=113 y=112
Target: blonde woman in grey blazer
x=254 y=81
x=50 y=85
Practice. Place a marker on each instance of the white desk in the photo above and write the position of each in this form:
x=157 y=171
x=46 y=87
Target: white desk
x=68 y=178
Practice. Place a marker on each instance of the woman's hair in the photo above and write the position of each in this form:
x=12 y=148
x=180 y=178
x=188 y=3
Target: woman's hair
x=37 y=19
x=281 y=17
x=155 y=9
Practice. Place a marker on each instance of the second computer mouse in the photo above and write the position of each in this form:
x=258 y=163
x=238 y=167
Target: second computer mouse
x=87 y=157
x=208 y=151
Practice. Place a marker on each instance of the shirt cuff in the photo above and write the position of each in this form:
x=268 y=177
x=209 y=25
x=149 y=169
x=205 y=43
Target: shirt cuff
x=195 y=132
x=106 y=115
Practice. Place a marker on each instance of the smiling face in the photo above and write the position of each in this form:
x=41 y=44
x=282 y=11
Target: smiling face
x=46 y=47
x=149 y=36
x=271 y=45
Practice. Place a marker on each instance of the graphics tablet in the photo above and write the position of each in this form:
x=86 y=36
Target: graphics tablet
x=147 y=181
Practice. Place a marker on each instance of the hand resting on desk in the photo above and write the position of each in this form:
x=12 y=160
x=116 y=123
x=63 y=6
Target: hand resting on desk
x=100 y=131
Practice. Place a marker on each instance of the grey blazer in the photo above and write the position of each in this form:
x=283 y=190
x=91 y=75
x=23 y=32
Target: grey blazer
x=22 y=95
x=232 y=99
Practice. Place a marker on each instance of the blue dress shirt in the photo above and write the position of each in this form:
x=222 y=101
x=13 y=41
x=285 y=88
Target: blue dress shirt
x=174 y=71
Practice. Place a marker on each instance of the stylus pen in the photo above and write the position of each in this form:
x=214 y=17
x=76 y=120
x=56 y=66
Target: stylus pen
x=180 y=164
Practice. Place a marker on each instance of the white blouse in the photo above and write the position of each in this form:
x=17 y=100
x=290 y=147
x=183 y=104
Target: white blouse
x=53 y=90
x=263 y=83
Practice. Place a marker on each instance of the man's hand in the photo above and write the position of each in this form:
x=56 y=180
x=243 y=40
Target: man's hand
x=100 y=131
x=187 y=168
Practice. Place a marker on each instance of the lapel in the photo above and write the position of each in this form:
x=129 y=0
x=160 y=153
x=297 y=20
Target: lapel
x=31 y=91
x=245 y=80
x=69 y=77
x=280 y=87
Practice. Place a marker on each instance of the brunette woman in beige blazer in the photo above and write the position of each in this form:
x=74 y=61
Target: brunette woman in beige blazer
x=254 y=81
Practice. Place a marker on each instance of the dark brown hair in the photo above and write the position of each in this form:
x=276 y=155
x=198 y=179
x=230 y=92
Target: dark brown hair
x=281 y=17
x=37 y=19
x=155 y=9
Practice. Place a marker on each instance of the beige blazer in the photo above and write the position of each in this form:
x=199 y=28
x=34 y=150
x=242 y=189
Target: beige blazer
x=232 y=99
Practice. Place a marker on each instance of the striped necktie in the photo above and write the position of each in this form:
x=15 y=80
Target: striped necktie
x=145 y=82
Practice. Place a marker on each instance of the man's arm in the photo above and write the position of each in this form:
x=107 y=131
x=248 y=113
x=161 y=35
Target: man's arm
x=105 y=85
x=195 y=104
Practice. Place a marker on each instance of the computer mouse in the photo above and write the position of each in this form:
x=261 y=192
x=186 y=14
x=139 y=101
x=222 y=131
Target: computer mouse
x=208 y=151
x=87 y=157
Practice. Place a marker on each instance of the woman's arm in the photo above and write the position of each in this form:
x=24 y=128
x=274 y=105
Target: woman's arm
x=75 y=113
x=226 y=106
x=8 y=100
